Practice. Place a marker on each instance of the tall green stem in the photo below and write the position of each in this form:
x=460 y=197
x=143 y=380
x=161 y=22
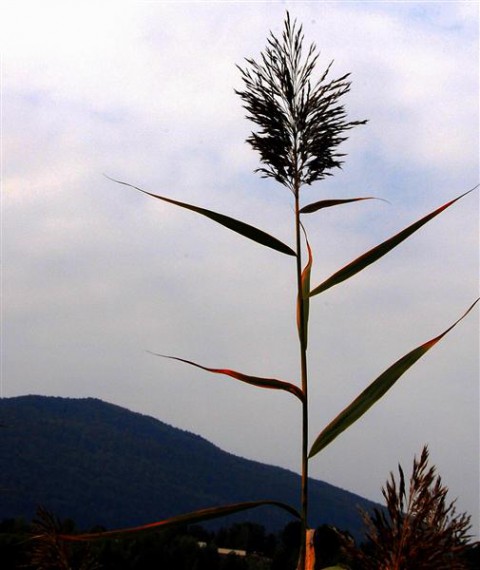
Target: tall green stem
x=304 y=375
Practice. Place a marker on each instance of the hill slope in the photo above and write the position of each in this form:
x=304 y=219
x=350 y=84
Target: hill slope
x=102 y=464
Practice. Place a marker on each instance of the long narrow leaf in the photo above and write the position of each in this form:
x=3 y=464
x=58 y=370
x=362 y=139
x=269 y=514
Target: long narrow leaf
x=375 y=391
x=379 y=251
x=189 y=518
x=305 y=295
x=315 y=206
x=237 y=226
x=253 y=380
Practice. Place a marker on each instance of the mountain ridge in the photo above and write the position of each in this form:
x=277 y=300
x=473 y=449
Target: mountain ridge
x=99 y=463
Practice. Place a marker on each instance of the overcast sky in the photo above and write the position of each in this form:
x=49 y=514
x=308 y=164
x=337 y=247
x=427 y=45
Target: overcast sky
x=96 y=274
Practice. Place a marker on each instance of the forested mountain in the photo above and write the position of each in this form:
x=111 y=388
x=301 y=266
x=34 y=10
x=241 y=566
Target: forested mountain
x=101 y=464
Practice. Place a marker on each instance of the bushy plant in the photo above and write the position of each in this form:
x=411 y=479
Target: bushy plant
x=419 y=530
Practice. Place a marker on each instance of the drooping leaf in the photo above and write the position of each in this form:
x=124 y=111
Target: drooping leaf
x=188 y=518
x=253 y=380
x=375 y=391
x=237 y=226
x=305 y=291
x=315 y=206
x=380 y=250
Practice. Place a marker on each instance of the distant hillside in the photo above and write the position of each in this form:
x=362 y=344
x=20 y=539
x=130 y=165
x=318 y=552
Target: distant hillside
x=102 y=464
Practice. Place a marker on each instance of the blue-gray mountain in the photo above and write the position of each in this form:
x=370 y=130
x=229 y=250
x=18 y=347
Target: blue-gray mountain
x=101 y=464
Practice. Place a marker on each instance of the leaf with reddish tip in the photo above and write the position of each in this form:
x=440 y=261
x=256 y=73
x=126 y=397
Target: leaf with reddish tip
x=237 y=226
x=315 y=206
x=380 y=250
x=189 y=518
x=375 y=391
x=253 y=380
x=305 y=292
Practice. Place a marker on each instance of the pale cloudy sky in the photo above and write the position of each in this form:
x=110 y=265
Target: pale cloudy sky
x=95 y=274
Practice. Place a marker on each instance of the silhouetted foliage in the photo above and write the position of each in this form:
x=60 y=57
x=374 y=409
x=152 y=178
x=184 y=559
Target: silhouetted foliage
x=14 y=538
x=49 y=552
x=332 y=547
x=192 y=548
x=419 y=530
x=246 y=536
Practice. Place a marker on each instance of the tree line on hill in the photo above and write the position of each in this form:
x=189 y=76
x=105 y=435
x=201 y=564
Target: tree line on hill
x=242 y=546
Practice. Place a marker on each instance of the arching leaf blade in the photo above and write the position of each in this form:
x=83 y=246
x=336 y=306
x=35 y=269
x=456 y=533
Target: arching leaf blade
x=188 y=518
x=380 y=250
x=305 y=292
x=237 y=226
x=315 y=206
x=260 y=382
x=375 y=391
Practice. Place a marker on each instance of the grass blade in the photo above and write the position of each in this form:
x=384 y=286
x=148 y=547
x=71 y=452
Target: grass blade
x=188 y=518
x=305 y=295
x=315 y=206
x=375 y=391
x=380 y=250
x=253 y=380
x=237 y=226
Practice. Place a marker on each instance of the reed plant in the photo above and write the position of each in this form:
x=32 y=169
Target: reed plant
x=300 y=122
x=49 y=552
x=419 y=529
